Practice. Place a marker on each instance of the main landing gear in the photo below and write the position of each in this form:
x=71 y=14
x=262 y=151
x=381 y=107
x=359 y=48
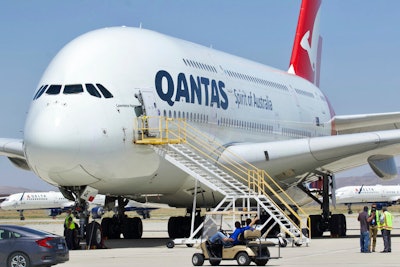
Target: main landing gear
x=318 y=224
x=179 y=227
x=130 y=228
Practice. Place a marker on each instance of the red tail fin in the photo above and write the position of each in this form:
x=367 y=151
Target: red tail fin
x=306 y=54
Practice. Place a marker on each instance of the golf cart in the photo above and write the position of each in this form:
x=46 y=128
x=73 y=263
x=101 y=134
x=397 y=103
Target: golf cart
x=250 y=249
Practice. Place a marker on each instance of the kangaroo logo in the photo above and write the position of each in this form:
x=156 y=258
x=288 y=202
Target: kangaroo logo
x=312 y=47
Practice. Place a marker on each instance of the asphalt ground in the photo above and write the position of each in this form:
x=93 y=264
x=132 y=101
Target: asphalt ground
x=151 y=250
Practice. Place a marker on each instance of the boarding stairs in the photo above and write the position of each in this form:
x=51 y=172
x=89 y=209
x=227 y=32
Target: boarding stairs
x=193 y=154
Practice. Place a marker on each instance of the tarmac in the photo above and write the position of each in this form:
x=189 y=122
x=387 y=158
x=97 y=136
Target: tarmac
x=151 y=250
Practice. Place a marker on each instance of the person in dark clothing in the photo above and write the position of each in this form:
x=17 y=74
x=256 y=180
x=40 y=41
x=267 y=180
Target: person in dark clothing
x=364 y=220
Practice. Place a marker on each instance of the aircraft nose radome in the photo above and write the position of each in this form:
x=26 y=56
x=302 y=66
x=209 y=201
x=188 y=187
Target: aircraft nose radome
x=52 y=139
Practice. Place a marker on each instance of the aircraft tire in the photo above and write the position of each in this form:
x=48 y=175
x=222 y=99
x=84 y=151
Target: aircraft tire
x=94 y=236
x=337 y=224
x=132 y=228
x=315 y=225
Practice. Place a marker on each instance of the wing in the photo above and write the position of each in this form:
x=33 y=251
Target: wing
x=288 y=160
x=14 y=150
x=366 y=122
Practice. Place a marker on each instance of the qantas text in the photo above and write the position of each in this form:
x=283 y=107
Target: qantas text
x=191 y=89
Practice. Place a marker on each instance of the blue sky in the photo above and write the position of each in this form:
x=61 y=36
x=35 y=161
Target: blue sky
x=359 y=59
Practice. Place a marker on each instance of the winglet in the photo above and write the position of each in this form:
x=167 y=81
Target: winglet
x=306 y=54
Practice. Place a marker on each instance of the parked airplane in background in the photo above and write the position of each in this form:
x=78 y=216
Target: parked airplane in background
x=56 y=203
x=80 y=136
x=380 y=194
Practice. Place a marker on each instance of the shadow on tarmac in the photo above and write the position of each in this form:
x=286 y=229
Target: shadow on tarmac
x=136 y=243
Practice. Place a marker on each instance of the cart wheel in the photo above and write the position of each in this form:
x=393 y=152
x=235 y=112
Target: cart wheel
x=170 y=244
x=243 y=259
x=197 y=259
x=215 y=262
x=189 y=245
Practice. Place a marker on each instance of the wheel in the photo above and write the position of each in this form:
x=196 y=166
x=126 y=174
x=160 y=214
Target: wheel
x=132 y=228
x=111 y=228
x=172 y=226
x=105 y=226
x=283 y=243
x=94 y=235
x=170 y=244
x=314 y=223
x=264 y=252
x=337 y=224
x=243 y=259
x=215 y=262
x=298 y=244
x=261 y=262
x=197 y=259
x=18 y=259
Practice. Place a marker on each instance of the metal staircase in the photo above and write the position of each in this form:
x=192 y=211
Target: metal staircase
x=201 y=159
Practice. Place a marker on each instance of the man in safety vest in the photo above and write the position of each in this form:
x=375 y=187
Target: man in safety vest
x=373 y=227
x=69 y=230
x=387 y=225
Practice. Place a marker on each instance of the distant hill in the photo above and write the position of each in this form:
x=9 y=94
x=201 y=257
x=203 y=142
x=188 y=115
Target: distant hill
x=369 y=178
x=8 y=190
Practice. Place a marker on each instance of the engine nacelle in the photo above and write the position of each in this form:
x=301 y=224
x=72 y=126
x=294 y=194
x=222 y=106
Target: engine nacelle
x=97 y=212
x=54 y=212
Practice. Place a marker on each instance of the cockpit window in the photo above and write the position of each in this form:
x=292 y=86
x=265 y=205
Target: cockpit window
x=73 y=89
x=40 y=91
x=69 y=89
x=92 y=90
x=104 y=91
x=53 y=90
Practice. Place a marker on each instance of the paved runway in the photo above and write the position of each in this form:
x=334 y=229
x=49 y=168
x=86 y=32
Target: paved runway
x=151 y=250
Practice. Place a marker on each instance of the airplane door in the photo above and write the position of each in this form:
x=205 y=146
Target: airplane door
x=149 y=108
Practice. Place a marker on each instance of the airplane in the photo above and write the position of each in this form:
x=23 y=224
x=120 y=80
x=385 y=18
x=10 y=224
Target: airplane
x=385 y=195
x=56 y=204
x=80 y=133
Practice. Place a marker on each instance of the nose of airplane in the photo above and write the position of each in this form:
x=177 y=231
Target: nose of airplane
x=52 y=138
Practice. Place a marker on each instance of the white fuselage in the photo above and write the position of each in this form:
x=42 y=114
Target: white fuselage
x=35 y=200
x=77 y=139
x=368 y=194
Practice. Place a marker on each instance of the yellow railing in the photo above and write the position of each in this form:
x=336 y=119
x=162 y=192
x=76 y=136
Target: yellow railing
x=173 y=131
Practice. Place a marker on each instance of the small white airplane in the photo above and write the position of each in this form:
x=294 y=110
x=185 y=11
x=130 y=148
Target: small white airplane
x=56 y=203
x=380 y=194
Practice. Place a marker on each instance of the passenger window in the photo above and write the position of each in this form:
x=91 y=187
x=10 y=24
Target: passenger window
x=53 y=90
x=40 y=92
x=104 y=91
x=92 y=90
x=73 y=89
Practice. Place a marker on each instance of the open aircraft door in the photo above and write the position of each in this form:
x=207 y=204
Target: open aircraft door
x=149 y=109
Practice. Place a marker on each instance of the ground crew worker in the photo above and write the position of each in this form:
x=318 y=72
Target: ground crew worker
x=373 y=227
x=387 y=225
x=69 y=230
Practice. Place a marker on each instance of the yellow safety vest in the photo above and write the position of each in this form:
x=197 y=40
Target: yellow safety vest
x=387 y=224
x=377 y=217
x=71 y=225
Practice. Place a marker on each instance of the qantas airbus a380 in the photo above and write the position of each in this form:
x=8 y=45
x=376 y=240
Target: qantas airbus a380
x=79 y=129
